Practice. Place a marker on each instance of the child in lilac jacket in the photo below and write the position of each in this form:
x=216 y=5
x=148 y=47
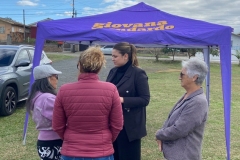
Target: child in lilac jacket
x=40 y=105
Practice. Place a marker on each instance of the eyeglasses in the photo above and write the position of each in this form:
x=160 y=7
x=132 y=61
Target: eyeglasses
x=55 y=75
x=181 y=74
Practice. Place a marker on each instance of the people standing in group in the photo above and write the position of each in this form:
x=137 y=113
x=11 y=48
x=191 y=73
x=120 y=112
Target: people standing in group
x=182 y=133
x=40 y=105
x=132 y=84
x=88 y=113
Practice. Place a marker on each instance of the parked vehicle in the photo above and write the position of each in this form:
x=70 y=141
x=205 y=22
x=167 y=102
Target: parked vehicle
x=107 y=50
x=15 y=70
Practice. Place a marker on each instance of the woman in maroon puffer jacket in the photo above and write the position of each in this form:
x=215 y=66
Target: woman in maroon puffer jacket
x=88 y=113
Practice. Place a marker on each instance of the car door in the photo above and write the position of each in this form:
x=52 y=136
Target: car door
x=23 y=73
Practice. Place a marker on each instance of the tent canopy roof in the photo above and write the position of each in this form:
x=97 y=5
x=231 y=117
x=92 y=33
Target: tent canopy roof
x=140 y=24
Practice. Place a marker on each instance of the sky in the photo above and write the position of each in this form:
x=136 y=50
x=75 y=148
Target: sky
x=223 y=12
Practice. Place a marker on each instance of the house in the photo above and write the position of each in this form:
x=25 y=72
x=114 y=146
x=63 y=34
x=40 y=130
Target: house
x=12 y=31
x=33 y=27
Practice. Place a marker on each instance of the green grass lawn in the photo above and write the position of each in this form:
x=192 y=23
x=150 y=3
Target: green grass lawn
x=165 y=91
x=142 y=54
x=58 y=57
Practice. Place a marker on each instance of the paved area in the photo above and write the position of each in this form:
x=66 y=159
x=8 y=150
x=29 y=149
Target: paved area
x=69 y=70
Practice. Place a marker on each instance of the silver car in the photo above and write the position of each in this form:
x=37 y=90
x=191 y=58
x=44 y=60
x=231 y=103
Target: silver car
x=107 y=50
x=15 y=70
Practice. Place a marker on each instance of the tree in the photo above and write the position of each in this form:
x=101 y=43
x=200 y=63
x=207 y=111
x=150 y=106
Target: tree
x=238 y=56
x=173 y=52
x=182 y=50
x=214 y=52
x=156 y=52
x=166 y=50
x=192 y=52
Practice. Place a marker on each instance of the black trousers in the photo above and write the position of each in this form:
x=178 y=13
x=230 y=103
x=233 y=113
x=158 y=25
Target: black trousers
x=125 y=150
x=49 y=150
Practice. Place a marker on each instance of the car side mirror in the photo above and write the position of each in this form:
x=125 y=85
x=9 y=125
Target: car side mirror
x=22 y=63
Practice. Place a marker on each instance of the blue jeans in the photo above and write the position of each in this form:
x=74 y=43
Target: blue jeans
x=82 y=158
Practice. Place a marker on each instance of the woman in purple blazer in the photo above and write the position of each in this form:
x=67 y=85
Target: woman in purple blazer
x=181 y=136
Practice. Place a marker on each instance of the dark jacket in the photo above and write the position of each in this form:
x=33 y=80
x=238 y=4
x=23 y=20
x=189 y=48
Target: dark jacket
x=133 y=87
x=88 y=117
x=182 y=133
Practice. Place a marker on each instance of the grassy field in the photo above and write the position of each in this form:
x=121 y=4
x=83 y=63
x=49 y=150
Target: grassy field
x=59 y=57
x=165 y=91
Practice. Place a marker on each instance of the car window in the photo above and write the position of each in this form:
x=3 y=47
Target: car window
x=31 y=51
x=7 y=56
x=23 y=55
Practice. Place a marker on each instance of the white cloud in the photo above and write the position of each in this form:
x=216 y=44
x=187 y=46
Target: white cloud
x=26 y=3
x=68 y=13
x=117 y=5
x=61 y=15
x=43 y=5
x=40 y=13
x=108 y=1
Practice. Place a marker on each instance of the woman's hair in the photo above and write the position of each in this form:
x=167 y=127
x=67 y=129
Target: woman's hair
x=128 y=48
x=92 y=60
x=195 y=66
x=40 y=85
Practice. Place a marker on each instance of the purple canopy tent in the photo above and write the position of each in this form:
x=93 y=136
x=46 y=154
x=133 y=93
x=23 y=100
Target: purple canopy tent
x=146 y=26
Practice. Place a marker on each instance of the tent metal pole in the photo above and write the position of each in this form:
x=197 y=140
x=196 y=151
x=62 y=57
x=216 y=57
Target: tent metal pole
x=206 y=53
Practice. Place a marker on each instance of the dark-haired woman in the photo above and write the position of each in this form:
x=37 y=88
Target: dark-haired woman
x=40 y=105
x=132 y=84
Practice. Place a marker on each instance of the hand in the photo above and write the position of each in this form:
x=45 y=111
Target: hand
x=121 y=99
x=159 y=145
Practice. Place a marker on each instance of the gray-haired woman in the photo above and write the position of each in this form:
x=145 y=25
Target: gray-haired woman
x=40 y=104
x=181 y=135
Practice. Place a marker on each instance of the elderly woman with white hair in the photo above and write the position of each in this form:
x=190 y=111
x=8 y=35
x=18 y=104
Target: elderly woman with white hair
x=181 y=136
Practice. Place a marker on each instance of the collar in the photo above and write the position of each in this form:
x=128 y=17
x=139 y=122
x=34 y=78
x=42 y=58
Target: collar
x=88 y=76
x=197 y=92
x=124 y=67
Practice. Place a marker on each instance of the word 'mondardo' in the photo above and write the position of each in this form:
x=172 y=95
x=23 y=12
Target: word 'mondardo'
x=148 y=26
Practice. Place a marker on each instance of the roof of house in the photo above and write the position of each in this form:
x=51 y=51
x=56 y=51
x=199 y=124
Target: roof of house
x=35 y=23
x=236 y=34
x=9 y=20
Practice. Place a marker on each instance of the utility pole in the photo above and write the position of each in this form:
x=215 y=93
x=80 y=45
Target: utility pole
x=73 y=10
x=75 y=13
x=24 y=25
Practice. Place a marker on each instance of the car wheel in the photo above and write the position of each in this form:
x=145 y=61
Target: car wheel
x=9 y=101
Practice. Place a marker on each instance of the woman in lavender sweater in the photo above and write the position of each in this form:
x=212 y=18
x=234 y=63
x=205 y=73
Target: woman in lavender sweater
x=40 y=105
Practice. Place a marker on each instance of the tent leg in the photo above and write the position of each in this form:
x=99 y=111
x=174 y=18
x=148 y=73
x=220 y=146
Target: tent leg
x=206 y=54
x=25 y=130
